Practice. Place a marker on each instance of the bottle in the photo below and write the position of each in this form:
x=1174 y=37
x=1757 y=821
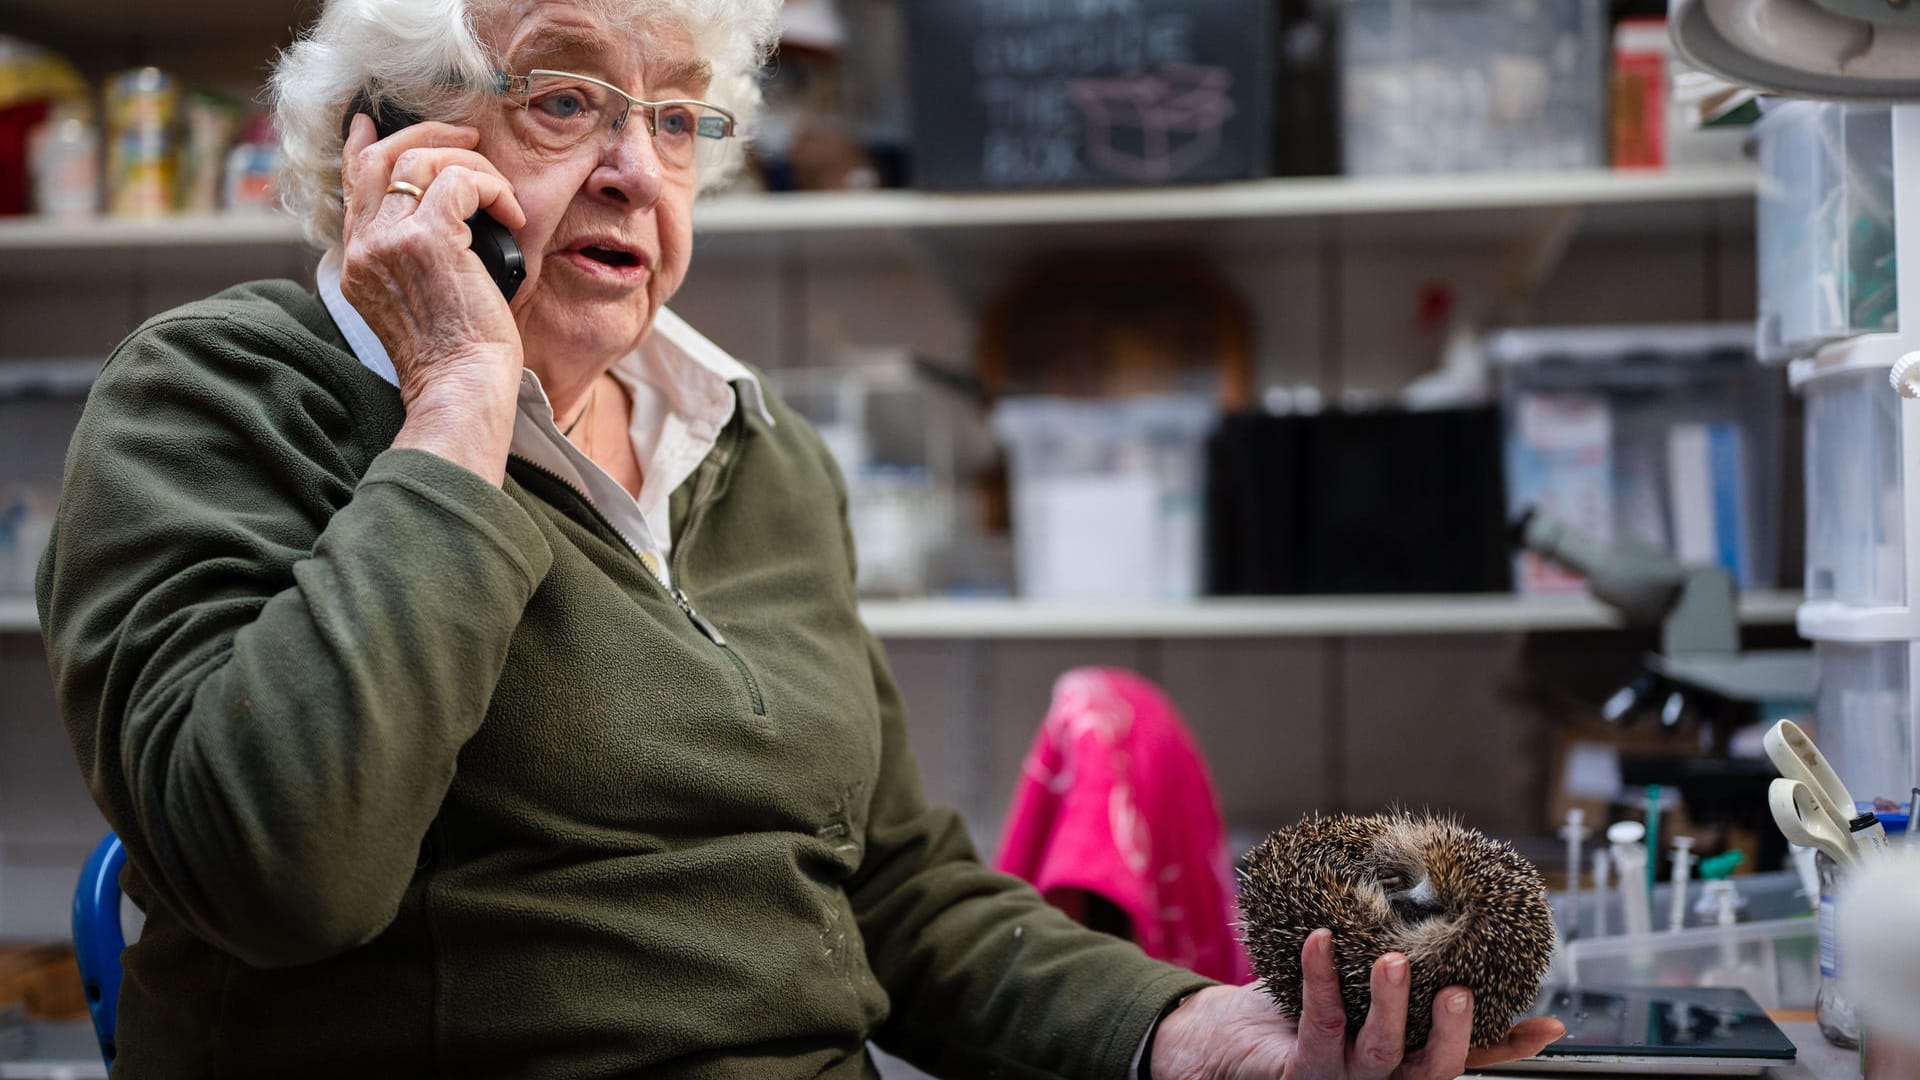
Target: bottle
x=248 y=186
x=66 y=164
x=1838 y=1023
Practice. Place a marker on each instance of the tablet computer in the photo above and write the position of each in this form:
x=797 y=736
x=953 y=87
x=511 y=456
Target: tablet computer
x=1658 y=1031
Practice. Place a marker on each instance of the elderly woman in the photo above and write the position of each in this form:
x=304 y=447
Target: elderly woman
x=478 y=686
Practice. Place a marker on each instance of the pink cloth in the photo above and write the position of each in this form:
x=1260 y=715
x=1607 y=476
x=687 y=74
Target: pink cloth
x=1115 y=800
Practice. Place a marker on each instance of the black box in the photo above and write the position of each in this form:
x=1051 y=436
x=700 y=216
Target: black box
x=1377 y=502
x=1090 y=93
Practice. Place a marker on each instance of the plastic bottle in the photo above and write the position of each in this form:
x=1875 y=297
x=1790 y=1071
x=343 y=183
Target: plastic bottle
x=66 y=164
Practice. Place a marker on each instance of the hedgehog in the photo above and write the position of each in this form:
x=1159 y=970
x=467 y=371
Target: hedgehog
x=1465 y=910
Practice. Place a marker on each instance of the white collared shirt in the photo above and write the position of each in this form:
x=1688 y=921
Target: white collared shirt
x=684 y=389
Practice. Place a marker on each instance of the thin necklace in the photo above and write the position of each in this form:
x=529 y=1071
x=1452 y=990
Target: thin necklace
x=592 y=396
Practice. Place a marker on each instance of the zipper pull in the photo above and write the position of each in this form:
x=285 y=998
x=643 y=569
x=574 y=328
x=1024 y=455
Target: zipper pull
x=699 y=620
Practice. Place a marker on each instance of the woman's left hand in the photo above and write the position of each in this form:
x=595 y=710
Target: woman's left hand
x=1235 y=1032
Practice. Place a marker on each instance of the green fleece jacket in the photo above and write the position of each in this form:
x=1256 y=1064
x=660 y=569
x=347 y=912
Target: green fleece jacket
x=419 y=776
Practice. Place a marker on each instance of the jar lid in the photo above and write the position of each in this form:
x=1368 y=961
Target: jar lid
x=1895 y=822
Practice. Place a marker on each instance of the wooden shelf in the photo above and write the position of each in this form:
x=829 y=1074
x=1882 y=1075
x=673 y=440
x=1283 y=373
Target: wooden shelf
x=862 y=218
x=1317 y=616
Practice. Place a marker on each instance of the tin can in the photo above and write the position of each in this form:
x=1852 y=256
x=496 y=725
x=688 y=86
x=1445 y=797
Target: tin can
x=143 y=116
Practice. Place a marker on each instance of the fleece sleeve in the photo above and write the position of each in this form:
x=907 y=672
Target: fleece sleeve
x=267 y=655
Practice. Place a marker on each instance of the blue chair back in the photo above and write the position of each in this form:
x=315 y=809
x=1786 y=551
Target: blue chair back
x=98 y=939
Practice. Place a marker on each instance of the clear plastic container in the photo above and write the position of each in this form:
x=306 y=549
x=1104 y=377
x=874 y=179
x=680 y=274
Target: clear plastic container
x=1769 y=896
x=1107 y=495
x=1825 y=226
x=907 y=442
x=40 y=403
x=1462 y=85
x=1668 y=435
x=1861 y=716
x=1777 y=961
x=1856 y=522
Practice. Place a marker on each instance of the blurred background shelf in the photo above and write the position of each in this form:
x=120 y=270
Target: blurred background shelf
x=1315 y=616
x=185 y=230
x=1330 y=196
x=18 y=616
x=113 y=21
x=862 y=219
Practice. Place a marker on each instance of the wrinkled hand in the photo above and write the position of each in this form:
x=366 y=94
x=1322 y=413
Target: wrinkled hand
x=1235 y=1032
x=408 y=269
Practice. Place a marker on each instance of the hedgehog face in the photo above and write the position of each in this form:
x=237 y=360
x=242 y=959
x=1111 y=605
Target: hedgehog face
x=1415 y=880
x=1411 y=903
x=1463 y=909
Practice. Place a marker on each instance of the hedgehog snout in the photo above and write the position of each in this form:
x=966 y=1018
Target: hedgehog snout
x=1417 y=902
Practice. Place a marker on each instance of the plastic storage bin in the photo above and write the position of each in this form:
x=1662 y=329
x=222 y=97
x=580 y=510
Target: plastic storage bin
x=40 y=403
x=1666 y=434
x=1775 y=956
x=1777 y=961
x=907 y=440
x=1461 y=85
x=1826 y=226
x=1856 y=520
x=1107 y=495
x=1861 y=716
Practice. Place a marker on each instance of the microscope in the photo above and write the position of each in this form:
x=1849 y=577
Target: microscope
x=1699 y=676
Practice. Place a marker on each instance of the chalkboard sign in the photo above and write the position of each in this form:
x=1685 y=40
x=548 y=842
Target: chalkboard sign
x=1089 y=93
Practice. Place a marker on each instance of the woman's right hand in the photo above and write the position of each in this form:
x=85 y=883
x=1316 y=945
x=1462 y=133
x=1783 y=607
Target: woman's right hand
x=407 y=268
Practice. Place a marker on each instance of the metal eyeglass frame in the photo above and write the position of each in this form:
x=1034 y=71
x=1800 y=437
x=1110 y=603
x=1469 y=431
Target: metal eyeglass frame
x=717 y=127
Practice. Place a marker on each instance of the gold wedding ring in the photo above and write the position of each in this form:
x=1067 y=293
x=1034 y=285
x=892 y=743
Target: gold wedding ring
x=401 y=187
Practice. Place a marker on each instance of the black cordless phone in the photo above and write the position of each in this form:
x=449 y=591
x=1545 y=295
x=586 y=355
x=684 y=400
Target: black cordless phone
x=491 y=241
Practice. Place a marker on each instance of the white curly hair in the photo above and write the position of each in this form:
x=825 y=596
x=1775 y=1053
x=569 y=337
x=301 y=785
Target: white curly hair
x=425 y=56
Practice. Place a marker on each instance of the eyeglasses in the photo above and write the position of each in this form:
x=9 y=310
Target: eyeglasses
x=560 y=110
